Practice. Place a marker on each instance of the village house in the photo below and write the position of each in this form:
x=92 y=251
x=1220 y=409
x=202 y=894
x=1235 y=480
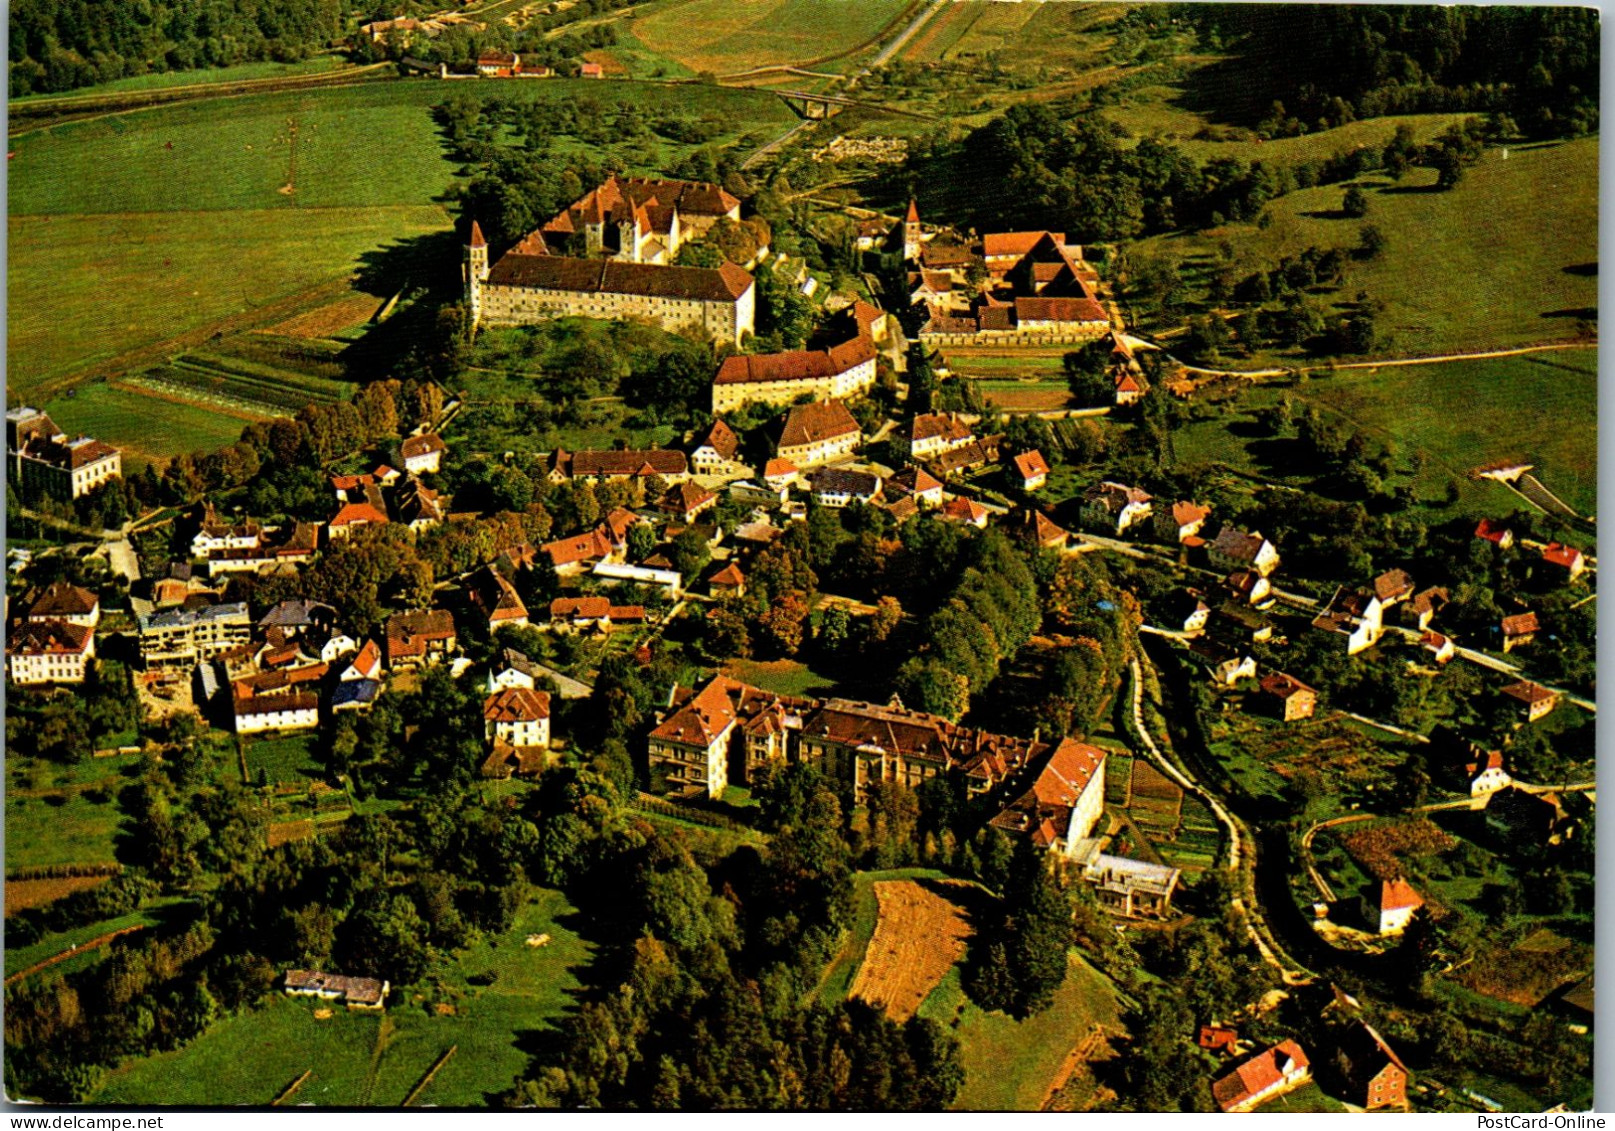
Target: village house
x=916 y=483
x=1357 y=615
x=1392 y=905
x=181 y=637
x=717 y=453
x=967 y=511
x=417 y=506
x=1490 y=530
x=836 y=373
x=44 y=462
x=667 y=464
x=1238 y=623
x=591 y=614
x=591 y=71
x=685 y=501
x=1393 y=587
x=1180 y=522
x=277 y=700
x=1440 y=647
x=1288 y=697
x=1031 y=469
x=49 y=651
x=966 y=457
x=420 y=637
x=365 y=665
x=518 y=717
x=1484 y=772
x=291 y=547
x=840 y=487
x=1567 y=558
x=1218 y=1039
x=1186 y=611
x=1063 y=804
x=1038 y=529
x=1282 y=1068
x=1534 y=699
x=1518 y=630
x=729 y=581
x=780 y=474
x=493 y=596
x=64 y=601
x=1423 y=606
x=571 y=556
x=1125 y=371
x=1375 y=1075
x=1235 y=549
x=929 y=435
x=213 y=535
x=1250 y=587
x=423 y=453
x=818 y=433
x=355 y=993
x=497 y=64
x=1226 y=666
x=299 y=620
x=510 y=668
x=1114 y=507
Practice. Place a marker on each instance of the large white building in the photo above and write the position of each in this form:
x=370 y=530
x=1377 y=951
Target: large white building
x=49 y=652
x=45 y=462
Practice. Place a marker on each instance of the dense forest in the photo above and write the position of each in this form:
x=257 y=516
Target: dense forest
x=59 y=45
x=1538 y=64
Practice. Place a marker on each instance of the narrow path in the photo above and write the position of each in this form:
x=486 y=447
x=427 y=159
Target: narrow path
x=74 y=951
x=1255 y=925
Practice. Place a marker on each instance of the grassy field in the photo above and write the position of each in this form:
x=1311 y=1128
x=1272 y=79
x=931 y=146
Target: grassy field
x=375 y=1061
x=132 y=229
x=783 y=677
x=1452 y=278
x=285 y=757
x=61 y=828
x=241 y=72
x=1009 y=1065
x=724 y=36
x=88 y=288
x=143 y=424
x=1461 y=414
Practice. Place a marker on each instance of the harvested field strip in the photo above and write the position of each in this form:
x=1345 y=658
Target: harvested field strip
x=330 y=319
x=918 y=938
x=23 y=894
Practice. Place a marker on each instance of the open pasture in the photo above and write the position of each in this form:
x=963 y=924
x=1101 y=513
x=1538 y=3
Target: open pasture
x=919 y=936
x=727 y=36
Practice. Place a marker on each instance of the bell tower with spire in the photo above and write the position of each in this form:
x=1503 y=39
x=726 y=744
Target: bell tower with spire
x=476 y=272
x=911 y=232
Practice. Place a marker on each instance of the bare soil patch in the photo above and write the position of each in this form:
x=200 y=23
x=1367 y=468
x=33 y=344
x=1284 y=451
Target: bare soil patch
x=331 y=318
x=919 y=936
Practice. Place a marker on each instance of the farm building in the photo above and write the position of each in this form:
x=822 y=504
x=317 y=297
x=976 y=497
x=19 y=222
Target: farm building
x=356 y=993
x=1282 y=1068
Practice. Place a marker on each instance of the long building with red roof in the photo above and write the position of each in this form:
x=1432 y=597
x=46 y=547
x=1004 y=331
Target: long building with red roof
x=783 y=378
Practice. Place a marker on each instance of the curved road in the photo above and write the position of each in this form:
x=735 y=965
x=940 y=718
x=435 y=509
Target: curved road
x=1238 y=836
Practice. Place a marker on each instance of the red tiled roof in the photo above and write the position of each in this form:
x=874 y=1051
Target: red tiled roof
x=477 y=239
x=357 y=513
x=1392 y=583
x=423 y=445
x=580 y=548
x=49 y=637
x=408 y=634
x=1558 y=554
x=1282 y=685
x=915 y=480
x=1527 y=692
x=1398 y=895
x=1256 y=1075
x=728 y=576
x=964 y=510
x=1028 y=309
x=1031 y=464
x=63 y=599
x=703 y=716
x=722 y=439
x=1186 y=513
x=580 y=608
x=794 y=365
x=368 y=660
x=686 y=497
x=651 y=461
x=778 y=467
x=516 y=705
x=913 y=214
x=1492 y=531
x=1521 y=625
x=997 y=245
x=931 y=425
x=814 y=423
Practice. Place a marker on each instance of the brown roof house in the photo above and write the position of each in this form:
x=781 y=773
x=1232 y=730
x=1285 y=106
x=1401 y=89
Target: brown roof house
x=356 y=993
x=516 y=724
x=1235 y=549
x=818 y=433
x=727 y=582
x=1290 y=699
x=684 y=501
x=1535 y=699
x=1031 y=469
x=1040 y=530
x=718 y=453
x=1392 y=905
x=423 y=453
x=836 y=373
x=420 y=637
x=1266 y=1076
x=929 y=435
x=63 y=601
x=1374 y=1074
x=1113 y=507
x=1518 y=630
x=1181 y=521
x=1064 y=802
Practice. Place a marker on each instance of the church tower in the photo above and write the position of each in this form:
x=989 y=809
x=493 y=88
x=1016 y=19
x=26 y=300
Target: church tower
x=911 y=232
x=476 y=272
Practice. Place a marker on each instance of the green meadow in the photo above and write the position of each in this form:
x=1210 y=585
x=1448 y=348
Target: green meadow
x=361 y=1059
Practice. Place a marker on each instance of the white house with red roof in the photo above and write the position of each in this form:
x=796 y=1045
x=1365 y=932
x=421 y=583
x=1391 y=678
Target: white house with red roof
x=1266 y=1076
x=1032 y=470
x=1064 y=802
x=423 y=453
x=519 y=716
x=1397 y=901
x=1567 y=558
